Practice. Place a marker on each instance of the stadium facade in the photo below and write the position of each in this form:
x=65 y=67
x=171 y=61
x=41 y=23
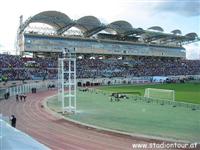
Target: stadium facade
x=94 y=37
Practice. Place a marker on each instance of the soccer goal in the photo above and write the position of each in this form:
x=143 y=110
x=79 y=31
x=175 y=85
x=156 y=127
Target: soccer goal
x=161 y=94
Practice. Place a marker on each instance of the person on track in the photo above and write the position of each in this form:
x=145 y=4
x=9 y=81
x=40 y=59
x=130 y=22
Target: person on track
x=17 y=98
x=13 y=121
x=21 y=97
x=24 y=96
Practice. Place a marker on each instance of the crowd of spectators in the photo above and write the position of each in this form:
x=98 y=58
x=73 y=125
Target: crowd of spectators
x=20 y=68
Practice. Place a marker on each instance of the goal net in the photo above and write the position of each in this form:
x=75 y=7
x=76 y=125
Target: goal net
x=162 y=94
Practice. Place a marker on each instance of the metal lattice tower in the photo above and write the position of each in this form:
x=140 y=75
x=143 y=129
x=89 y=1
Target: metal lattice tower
x=67 y=81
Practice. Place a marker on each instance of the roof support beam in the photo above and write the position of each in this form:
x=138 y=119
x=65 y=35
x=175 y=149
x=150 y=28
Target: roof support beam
x=94 y=31
x=62 y=30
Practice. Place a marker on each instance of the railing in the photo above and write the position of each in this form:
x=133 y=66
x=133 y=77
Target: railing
x=139 y=98
x=24 y=88
x=167 y=102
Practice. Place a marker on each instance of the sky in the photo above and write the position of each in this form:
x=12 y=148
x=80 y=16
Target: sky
x=168 y=14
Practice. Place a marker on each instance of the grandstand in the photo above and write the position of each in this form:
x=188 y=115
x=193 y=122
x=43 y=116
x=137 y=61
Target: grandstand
x=115 y=50
x=20 y=68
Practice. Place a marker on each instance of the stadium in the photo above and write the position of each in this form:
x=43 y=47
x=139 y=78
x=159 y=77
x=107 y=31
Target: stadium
x=126 y=85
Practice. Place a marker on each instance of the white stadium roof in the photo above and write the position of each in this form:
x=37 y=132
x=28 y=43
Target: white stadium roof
x=90 y=25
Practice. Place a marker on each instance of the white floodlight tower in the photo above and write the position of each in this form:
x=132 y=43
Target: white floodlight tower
x=67 y=80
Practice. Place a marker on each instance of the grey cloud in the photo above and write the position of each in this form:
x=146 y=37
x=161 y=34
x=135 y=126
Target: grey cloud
x=182 y=7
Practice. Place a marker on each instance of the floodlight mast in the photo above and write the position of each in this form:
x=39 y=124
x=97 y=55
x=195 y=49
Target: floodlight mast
x=67 y=80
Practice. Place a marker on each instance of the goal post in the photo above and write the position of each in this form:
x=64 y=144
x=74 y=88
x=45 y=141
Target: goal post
x=162 y=94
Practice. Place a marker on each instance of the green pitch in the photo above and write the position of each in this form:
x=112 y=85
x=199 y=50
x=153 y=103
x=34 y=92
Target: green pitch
x=188 y=92
x=138 y=117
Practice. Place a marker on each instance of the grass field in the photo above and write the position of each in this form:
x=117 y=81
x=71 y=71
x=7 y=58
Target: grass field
x=188 y=92
x=138 y=117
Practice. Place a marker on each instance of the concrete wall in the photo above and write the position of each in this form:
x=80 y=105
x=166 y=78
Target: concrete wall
x=43 y=43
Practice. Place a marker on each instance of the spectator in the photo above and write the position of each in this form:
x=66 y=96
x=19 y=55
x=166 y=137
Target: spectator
x=13 y=121
x=18 y=68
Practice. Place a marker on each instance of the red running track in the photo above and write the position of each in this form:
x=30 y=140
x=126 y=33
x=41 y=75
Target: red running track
x=59 y=134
